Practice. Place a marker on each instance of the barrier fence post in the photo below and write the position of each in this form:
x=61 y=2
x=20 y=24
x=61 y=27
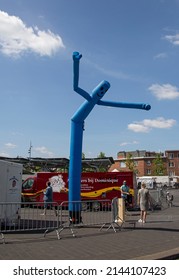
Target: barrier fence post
x=121 y=210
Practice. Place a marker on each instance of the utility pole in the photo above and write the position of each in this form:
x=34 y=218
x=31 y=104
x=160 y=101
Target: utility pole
x=30 y=150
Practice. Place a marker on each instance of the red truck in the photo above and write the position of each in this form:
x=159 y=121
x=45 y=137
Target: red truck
x=95 y=186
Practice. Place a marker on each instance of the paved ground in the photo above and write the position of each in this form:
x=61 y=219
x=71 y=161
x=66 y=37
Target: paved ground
x=157 y=239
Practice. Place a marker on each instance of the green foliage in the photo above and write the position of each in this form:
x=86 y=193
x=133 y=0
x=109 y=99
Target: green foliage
x=158 y=166
x=101 y=155
x=130 y=164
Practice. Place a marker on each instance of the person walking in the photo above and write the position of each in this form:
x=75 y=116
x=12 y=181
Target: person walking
x=143 y=201
x=48 y=198
x=169 y=199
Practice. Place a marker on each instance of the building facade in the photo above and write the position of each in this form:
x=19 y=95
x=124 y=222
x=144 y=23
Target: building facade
x=172 y=162
x=143 y=162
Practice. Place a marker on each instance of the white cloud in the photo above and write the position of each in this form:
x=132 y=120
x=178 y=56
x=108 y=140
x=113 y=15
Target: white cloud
x=160 y=55
x=16 y=38
x=128 y=143
x=10 y=145
x=3 y=154
x=174 y=39
x=137 y=127
x=43 y=151
x=165 y=91
x=115 y=74
x=147 y=124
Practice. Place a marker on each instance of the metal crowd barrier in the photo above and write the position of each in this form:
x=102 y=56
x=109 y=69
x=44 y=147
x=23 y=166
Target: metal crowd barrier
x=155 y=199
x=88 y=214
x=28 y=217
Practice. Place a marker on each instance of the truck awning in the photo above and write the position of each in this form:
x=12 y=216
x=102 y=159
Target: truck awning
x=53 y=164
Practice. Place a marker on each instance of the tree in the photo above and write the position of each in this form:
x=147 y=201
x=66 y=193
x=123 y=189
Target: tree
x=158 y=165
x=102 y=168
x=101 y=155
x=130 y=164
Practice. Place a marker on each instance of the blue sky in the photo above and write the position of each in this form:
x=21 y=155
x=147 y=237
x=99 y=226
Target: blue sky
x=133 y=44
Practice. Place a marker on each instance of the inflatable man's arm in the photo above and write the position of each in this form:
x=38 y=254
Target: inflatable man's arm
x=76 y=62
x=125 y=105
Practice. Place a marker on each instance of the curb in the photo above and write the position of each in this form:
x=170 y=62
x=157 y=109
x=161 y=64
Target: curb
x=172 y=254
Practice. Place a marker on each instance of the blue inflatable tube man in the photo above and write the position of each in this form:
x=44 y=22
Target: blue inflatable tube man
x=77 y=127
